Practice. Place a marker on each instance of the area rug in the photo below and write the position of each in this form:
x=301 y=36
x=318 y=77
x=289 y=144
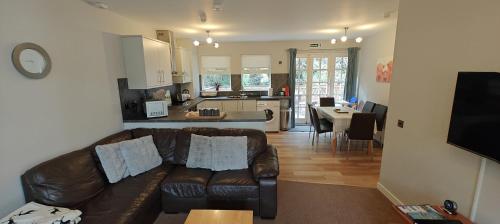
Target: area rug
x=305 y=203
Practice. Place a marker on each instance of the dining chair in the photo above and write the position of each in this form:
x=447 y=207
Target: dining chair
x=380 y=116
x=327 y=101
x=361 y=129
x=311 y=126
x=320 y=125
x=368 y=107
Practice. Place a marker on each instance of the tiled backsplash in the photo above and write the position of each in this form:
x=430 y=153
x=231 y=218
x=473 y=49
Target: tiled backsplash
x=132 y=100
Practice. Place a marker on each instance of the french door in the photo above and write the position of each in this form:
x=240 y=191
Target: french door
x=318 y=75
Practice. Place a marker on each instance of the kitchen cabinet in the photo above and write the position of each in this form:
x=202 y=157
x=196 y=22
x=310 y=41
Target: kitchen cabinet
x=248 y=105
x=230 y=105
x=183 y=65
x=147 y=62
x=210 y=104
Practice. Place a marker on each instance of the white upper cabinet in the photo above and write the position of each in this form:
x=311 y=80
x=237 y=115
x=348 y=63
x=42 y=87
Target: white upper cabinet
x=147 y=62
x=183 y=65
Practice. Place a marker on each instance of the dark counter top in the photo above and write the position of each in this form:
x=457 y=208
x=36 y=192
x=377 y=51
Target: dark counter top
x=174 y=115
x=246 y=98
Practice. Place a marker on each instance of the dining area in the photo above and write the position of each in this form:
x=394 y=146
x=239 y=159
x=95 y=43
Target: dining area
x=351 y=126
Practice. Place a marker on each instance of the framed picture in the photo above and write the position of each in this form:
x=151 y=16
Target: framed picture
x=384 y=69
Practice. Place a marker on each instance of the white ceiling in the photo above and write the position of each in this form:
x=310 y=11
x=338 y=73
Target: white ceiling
x=262 y=20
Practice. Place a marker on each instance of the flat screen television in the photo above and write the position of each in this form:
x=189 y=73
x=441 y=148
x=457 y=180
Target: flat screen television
x=475 y=117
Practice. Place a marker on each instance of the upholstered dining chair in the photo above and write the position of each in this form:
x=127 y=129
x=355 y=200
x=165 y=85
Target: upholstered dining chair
x=327 y=101
x=380 y=116
x=368 y=107
x=320 y=125
x=361 y=129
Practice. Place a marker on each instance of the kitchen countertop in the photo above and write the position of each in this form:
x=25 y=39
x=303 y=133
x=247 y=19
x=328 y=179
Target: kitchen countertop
x=179 y=116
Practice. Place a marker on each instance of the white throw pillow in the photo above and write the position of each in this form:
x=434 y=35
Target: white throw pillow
x=218 y=153
x=140 y=155
x=112 y=162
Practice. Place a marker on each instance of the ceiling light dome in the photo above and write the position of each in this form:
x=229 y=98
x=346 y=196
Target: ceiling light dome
x=343 y=38
x=216 y=45
x=359 y=39
x=333 y=41
x=196 y=43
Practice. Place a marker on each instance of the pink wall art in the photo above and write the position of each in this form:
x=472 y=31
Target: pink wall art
x=384 y=70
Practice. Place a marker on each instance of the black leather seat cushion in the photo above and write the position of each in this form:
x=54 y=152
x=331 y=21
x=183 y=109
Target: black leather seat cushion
x=186 y=182
x=233 y=184
x=126 y=201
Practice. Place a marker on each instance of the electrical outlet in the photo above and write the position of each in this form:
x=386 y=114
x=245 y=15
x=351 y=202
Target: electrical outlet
x=401 y=123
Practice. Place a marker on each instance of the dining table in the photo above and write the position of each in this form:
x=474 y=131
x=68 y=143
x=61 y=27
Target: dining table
x=340 y=116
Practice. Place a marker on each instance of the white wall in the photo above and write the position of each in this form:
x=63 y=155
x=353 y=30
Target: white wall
x=76 y=104
x=373 y=48
x=278 y=50
x=435 y=40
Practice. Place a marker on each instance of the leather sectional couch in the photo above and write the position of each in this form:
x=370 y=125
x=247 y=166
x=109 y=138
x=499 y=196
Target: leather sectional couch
x=76 y=180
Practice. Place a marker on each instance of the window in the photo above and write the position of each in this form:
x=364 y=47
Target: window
x=340 y=78
x=256 y=72
x=216 y=71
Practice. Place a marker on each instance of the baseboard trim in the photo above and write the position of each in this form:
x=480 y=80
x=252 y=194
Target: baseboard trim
x=388 y=194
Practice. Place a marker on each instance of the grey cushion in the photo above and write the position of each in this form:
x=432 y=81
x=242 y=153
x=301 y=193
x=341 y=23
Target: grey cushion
x=112 y=162
x=229 y=153
x=218 y=153
x=140 y=155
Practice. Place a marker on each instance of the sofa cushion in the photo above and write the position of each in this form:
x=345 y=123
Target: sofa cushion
x=233 y=184
x=112 y=162
x=186 y=182
x=164 y=139
x=140 y=155
x=256 y=140
x=126 y=201
x=65 y=181
x=183 y=142
x=114 y=138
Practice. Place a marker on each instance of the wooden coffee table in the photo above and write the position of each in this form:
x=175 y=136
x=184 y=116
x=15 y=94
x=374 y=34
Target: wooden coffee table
x=219 y=217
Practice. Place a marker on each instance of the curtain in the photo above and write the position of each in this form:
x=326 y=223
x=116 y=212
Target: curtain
x=351 y=84
x=291 y=81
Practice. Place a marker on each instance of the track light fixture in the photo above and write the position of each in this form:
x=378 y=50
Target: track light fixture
x=209 y=40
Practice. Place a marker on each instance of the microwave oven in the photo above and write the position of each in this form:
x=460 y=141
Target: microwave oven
x=156 y=109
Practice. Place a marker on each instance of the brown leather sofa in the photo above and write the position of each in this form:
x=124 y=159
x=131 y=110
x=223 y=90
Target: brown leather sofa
x=76 y=180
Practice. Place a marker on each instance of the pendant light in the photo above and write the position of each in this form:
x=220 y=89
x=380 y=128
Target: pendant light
x=209 y=39
x=344 y=38
x=196 y=43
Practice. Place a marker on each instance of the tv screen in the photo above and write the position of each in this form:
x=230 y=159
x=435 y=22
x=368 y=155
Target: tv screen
x=475 y=117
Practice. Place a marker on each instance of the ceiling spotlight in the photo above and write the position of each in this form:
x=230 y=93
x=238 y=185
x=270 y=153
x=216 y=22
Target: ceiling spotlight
x=333 y=41
x=359 y=40
x=196 y=43
x=216 y=45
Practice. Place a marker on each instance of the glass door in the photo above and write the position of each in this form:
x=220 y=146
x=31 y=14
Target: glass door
x=318 y=75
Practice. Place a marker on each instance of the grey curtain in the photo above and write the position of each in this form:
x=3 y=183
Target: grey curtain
x=291 y=81
x=351 y=84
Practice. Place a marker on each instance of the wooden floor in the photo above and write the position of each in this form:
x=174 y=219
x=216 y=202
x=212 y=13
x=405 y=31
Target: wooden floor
x=300 y=161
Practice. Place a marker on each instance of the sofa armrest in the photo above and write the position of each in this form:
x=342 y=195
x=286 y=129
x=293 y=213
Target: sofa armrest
x=266 y=164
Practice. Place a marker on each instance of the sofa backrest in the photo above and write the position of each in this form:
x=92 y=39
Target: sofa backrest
x=256 y=141
x=69 y=179
x=165 y=140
